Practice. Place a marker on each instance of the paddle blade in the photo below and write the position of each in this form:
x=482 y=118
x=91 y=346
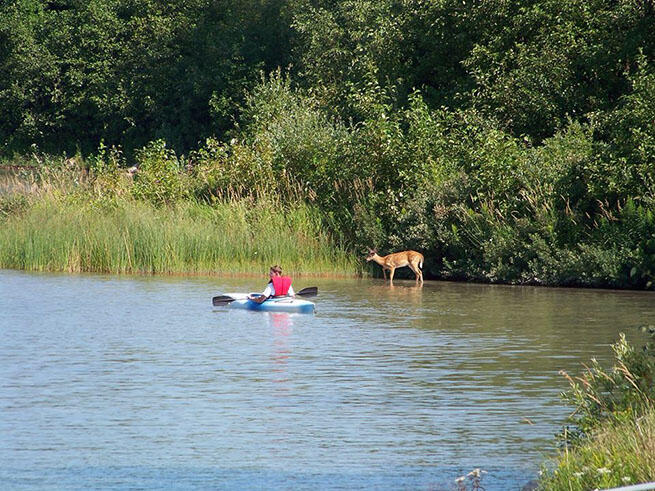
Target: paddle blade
x=222 y=300
x=310 y=291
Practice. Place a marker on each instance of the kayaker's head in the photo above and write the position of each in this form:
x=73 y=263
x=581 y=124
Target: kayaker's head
x=275 y=271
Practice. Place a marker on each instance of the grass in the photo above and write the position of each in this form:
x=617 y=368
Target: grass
x=74 y=230
x=616 y=455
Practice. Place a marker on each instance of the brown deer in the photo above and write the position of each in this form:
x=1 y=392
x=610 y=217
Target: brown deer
x=412 y=259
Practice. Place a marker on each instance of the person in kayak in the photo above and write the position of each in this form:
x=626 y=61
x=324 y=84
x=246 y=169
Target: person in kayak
x=278 y=286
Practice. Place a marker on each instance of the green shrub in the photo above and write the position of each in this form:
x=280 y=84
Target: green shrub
x=616 y=395
x=160 y=178
x=615 y=455
x=612 y=441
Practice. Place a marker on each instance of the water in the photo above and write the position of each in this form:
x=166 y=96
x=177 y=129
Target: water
x=138 y=382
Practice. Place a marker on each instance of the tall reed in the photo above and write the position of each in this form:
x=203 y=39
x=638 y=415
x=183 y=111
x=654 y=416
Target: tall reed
x=121 y=235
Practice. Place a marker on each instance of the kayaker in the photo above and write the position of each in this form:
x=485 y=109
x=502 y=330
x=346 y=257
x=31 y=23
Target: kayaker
x=278 y=286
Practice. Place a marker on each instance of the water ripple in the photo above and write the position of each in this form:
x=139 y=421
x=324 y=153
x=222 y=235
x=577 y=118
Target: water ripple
x=113 y=382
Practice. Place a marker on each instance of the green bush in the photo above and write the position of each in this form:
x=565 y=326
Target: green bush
x=620 y=394
x=160 y=178
x=616 y=455
x=612 y=440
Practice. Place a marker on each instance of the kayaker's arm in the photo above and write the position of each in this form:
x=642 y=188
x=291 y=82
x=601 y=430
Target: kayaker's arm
x=258 y=298
x=262 y=297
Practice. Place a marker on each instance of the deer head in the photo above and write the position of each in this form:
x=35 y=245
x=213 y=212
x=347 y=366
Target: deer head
x=371 y=253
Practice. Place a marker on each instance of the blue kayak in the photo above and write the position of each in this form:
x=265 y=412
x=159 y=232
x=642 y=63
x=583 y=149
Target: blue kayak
x=283 y=304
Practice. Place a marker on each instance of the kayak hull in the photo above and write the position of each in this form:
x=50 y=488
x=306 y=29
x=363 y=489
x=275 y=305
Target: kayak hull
x=284 y=304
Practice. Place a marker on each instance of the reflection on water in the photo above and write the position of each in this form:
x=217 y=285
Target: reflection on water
x=138 y=382
x=282 y=325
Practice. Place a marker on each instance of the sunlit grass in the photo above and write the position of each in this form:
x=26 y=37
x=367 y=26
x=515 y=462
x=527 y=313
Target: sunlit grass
x=617 y=455
x=76 y=234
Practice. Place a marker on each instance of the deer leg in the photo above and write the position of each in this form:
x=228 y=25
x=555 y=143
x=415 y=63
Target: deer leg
x=391 y=271
x=417 y=272
x=384 y=273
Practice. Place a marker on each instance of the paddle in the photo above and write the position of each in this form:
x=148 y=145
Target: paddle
x=310 y=291
x=222 y=299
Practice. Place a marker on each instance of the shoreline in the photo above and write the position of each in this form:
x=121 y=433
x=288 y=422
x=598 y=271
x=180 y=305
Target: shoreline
x=332 y=276
x=192 y=274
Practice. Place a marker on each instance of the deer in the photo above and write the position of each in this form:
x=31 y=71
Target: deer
x=390 y=262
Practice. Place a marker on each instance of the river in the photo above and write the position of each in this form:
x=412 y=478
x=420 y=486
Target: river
x=138 y=382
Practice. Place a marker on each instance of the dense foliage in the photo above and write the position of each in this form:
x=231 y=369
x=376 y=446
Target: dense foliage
x=508 y=141
x=129 y=71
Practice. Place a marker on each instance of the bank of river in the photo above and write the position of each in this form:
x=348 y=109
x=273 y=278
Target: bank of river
x=137 y=382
